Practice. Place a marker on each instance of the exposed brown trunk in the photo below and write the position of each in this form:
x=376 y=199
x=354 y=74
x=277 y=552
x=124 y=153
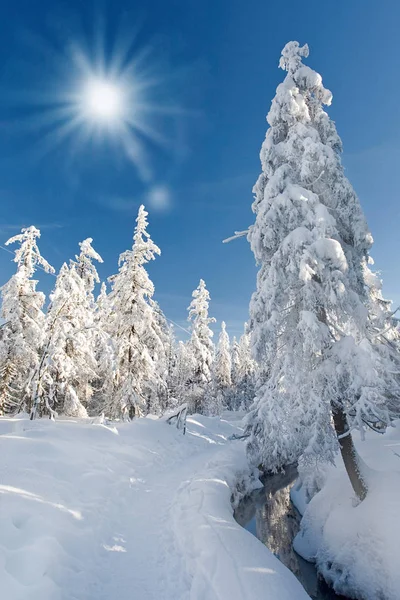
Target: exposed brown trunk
x=349 y=453
x=347 y=448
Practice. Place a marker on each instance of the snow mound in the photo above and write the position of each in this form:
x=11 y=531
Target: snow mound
x=356 y=545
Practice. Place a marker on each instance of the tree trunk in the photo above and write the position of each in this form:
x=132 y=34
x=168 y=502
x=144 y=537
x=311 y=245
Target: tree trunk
x=347 y=448
x=349 y=453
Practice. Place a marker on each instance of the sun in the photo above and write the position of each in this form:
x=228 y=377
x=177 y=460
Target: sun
x=110 y=101
x=103 y=100
x=98 y=93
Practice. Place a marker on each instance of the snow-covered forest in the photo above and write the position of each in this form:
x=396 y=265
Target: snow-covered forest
x=313 y=381
x=115 y=354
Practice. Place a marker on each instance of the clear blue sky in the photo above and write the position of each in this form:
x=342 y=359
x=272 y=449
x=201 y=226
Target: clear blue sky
x=216 y=67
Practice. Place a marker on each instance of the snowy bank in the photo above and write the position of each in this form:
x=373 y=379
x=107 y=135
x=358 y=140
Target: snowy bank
x=130 y=510
x=225 y=561
x=356 y=545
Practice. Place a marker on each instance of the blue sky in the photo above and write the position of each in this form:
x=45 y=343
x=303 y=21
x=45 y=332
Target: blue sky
x=215 y=68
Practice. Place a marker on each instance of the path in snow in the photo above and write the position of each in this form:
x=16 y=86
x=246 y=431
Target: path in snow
x=89 y=512
x=90 y=508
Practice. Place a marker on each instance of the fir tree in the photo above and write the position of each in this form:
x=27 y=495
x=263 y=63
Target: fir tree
x=243 y=373
x=182 y=373
x=68 y=363
x=222 y=368
x=95 y=336
x=201 y=349
x=134 y=329
x=164 y=357
x=84 y=266
x=104 y=353
x=317 y=316
x=9 y=392
x=22 y=333
x=235 y=374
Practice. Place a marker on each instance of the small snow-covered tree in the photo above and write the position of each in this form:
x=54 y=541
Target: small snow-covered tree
x=9 y=381
x=222 y=368
x=165 y=357
x=104 y=354
x=84 y=266
x=235 y=373
x=247 y=373
x=22 y=332
x=318 y=319
x=182 y=373
x=243 y=373
x=134 y=328
x=201 y=348
x=102 y=303
x=68 y=363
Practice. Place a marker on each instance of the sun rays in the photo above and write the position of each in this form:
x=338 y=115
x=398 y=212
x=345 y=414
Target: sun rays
x=100 y=93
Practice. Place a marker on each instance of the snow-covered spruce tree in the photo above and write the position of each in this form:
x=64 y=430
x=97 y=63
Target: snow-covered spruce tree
x=84 y=266
x=222 y=368
x=244 y=374
x=134 y=329
x=68 y=362
x=182 y=373
x=202 y=350
x=235 y=373
x=86 y=270
x=22 y=332
x=104 y=354
x=165 y=357
x=319 y=323
x=102 y=303
x=9 y=384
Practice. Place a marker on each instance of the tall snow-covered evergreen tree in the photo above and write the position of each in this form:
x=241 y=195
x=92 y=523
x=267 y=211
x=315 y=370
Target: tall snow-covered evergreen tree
x=222 y=369
x=134 y=329
x=202 y=350
x=68 y=362
x=22 y=333
x=317 y=317
x=95 y=337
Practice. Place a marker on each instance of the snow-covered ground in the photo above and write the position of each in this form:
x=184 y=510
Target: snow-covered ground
x=357 y=546
x=136 y=511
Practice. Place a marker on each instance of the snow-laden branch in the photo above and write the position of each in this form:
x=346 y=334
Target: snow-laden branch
x=178 y=417
x=238 y=234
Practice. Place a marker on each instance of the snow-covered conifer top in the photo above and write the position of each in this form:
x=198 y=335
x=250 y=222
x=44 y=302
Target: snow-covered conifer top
x=28 y=256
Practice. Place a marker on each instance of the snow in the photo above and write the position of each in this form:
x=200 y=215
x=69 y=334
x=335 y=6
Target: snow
x=355 y=545
x=331 y=250
x=298 y=497
x=129 y=510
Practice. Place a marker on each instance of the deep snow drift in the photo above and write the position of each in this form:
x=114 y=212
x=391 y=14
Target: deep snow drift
x=136 y=511
x=356 y=546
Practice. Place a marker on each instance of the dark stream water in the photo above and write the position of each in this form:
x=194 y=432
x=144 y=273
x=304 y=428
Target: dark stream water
x=269 y=514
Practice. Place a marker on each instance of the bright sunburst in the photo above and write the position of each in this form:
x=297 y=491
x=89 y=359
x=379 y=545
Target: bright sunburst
x=103 y=96
x=102 y=100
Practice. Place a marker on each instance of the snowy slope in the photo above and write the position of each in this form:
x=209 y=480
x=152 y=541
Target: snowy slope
x=356 y=545
x=137 y=511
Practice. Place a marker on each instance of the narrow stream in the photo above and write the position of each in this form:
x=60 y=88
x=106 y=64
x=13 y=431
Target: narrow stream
x=269 y=514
